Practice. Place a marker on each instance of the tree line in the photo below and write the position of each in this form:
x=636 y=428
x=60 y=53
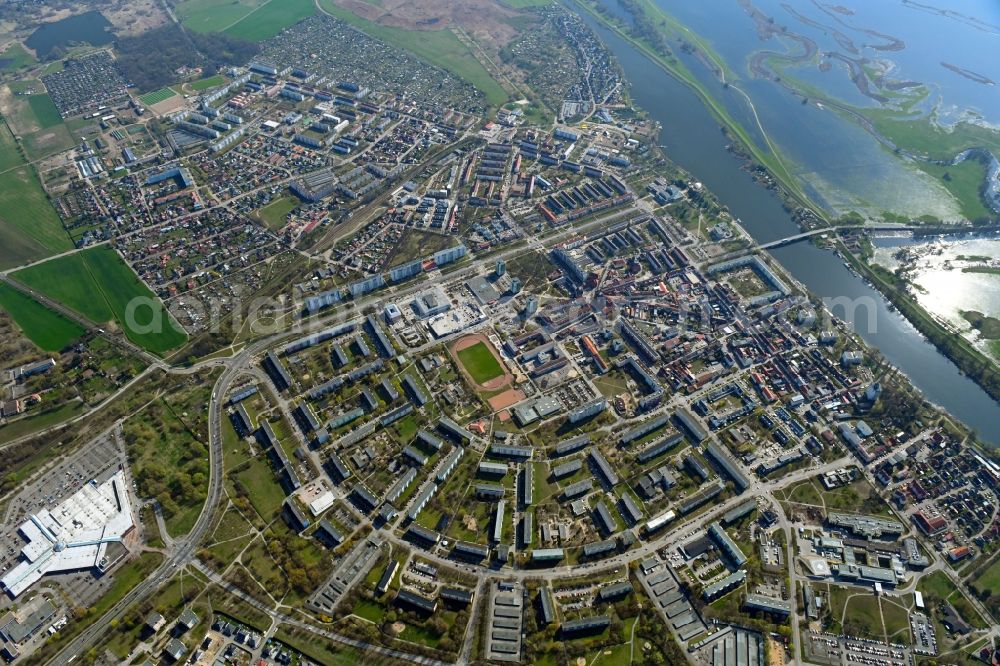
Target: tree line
x=151 y=60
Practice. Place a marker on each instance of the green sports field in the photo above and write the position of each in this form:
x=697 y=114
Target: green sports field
x=156 y=96
x=208 y=82
x=274 y=213
x=480 y=363
x=99 y=285
x=49 y=330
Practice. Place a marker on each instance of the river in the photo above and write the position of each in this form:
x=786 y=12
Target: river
x=693 y=140
x=920 y=66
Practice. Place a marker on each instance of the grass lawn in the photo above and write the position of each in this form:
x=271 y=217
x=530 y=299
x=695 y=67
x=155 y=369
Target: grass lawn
x=236 y=451
x=863 y=615
x=156 y=96
x=231 y=537
x=319 y=649
x=804 y=493
x=48 y=329
x=988 y=327
x=169 y=464
x=154 y=539
x=897 y=621
x=15 y=57
x=125 y=579
x=989 y=579
x=937 y=584
x=966 y=610
x=270 y=19
x=98 y=284
x=265 y=570
x=417 y=244
x=421 y=635
x=369 y=610
x=29 y=227
x=611 y=386
x=855 y=498
x=613 y=656
x=480 y=363
x=208 y=82
x=437 y=47
x=964 y=181
x=532 y=267
x=406 y=428
x=40 y=421
x=275 y=213
x=264 y=492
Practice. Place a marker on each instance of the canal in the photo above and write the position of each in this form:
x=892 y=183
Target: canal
x=692 y=139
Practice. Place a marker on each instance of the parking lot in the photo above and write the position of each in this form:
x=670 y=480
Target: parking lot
x=924 y=640
x=833 y=649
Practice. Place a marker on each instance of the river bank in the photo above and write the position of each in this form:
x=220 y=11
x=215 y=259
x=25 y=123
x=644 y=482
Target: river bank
x=691 y=138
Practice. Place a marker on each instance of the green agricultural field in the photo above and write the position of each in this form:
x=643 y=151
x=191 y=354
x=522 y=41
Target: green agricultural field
x=440 y=48
x=156 y=96
x=45 y=112
x=526 y=4
x=49 y=330
x=480 y=363
x=100 y=286
x=29 y=227
x=214 y=15
x=68 y=281
x=48 y=142
x=10 y=157
x=30 y=108
x=271 y=18
x=208 y=82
